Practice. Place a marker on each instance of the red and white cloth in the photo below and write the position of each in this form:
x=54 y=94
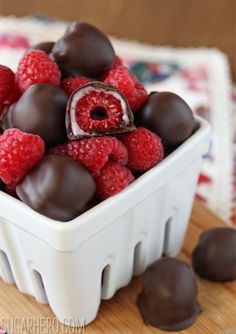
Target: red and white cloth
x=201 y=76
x=2 y=331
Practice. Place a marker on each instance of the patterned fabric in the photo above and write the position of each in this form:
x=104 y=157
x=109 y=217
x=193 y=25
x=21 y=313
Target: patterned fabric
x=201 y=76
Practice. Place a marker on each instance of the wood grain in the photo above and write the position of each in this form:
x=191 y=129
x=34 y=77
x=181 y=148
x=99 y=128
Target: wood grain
x=120 y=315
x=184 y=23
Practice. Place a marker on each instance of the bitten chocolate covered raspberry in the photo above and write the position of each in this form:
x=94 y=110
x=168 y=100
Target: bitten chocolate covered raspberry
x=97 y=109
x=83 y=50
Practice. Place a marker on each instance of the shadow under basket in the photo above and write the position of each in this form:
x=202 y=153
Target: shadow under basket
x=72 y=266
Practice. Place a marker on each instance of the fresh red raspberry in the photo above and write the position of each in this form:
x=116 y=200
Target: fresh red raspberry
x=112 y=179
x=94 y=152
x=117 y=62
x=12 y=98
x=69 y=85
x=126 y=82
x=7 y=83
x=145 y=149
x=19 y=153
x=37 y=67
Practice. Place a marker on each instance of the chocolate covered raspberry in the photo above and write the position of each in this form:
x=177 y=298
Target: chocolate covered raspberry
x=83 y=50
x=97 y=109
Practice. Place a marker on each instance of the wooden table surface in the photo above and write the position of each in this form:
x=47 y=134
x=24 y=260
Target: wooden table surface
x=120 y=315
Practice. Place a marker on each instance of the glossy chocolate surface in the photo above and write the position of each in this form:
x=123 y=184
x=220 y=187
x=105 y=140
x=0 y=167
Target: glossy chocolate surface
x=58 y=187
x=83 y=50
x=168 y=299
x=214 y=258
x=168 y=115
x=41 y=110
x=44 y=46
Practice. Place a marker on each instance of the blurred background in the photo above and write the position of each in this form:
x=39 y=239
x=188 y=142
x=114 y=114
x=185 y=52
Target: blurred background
x=182 y=23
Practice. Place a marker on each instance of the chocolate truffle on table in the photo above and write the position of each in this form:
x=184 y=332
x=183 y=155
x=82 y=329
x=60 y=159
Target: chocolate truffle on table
x=168 y=115
x=214 y=258
x=44 y=46
x=83 y=50
x=58 y=187
x=168 y=299
x=41 y=110
x=97 y=109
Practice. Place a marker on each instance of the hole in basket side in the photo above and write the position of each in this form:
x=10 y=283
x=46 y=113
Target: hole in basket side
x=39 y=288
x=105 y=278
x=6 y=270
x=138 y=258
x=166 y=237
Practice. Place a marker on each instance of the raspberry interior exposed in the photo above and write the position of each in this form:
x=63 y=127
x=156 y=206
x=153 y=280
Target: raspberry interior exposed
x=98 y=111
x=95 y=109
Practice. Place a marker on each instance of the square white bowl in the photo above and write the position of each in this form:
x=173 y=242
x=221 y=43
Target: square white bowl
x=73 y=265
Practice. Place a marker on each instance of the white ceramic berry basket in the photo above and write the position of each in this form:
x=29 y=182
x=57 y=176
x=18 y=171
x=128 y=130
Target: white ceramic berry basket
x=72 y=266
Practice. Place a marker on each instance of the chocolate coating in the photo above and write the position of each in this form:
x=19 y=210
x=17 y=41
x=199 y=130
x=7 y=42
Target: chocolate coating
x=6 y=117
x=169 y=295
x=168 y=115
x=44 y=46
x=41 y=110
x=83 y=50
x=214 y=258
x=58 y=187
x=1 y=186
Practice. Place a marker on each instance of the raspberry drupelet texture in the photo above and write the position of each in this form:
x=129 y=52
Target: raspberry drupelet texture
x=97 y=109
x=112 y=179
x=91 y=108
x=19 y=153
x=69 y=85
x=36 y=67
x=125 y=81
x=14 y=95
x=117 y=62
x=7 y=83
x=94 y=152
x=145 y=149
